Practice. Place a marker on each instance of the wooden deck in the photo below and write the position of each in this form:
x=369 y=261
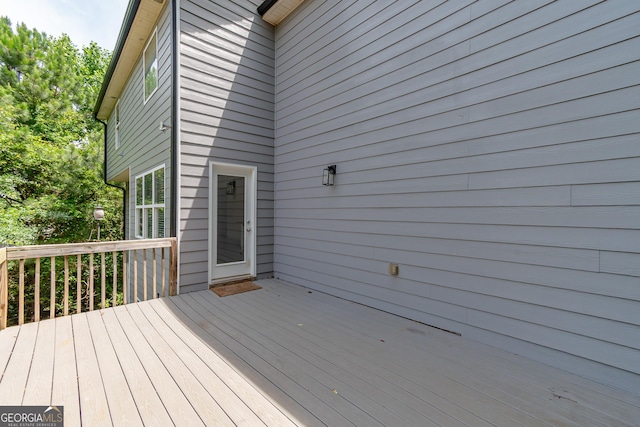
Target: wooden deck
x=283 y=356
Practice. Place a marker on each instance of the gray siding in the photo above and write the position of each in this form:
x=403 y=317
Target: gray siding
x=226 y=115
x=489 y=148
x=142 y=145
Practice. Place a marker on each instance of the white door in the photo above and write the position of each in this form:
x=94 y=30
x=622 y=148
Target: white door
x=232 y=227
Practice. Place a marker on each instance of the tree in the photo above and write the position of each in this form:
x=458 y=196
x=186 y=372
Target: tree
x=51 y=151
x=50 y=145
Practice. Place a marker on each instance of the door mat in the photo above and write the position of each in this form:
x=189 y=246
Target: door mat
x=234 y=288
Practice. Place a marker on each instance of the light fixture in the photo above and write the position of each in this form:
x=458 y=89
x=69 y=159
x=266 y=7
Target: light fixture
x=328 y=175
x=163 y=127
x=98 y=215
x=231 y=187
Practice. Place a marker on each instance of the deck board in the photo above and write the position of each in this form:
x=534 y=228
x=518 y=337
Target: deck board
x=7 y=342
x=40 y=380
x=317 y=383
x=361 y=348
x=257 y=369
x=382 y=374
x=14 y=380
x=533 y=382
x=224 y=385
x=121 y=405
x=197 y=395
x=488 y=381
x=65 y=374
x=285 y=356
x=148 y=403
x=343 y=373
x=94 y=409
x=173 y=398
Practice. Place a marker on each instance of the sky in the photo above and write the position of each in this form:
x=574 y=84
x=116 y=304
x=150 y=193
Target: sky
x=82 y=20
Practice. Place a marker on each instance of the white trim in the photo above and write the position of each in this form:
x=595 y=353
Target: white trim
x=116 y=111
x=144 y=54
x=132 y=202
x=251 y=212
x=178 y=151
x=153 y=206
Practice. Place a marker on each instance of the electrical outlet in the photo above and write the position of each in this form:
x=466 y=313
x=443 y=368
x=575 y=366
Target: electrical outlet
x=393 y=269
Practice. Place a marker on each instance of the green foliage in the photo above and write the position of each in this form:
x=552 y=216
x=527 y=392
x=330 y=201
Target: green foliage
x=82 y=293
x=51 y=153
x=50 y=145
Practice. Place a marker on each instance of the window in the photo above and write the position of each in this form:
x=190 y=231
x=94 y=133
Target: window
x=150 y=67
x=150 y=204
x=117 y=120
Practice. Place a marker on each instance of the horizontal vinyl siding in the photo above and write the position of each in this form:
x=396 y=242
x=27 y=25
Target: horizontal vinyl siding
x=490 y=149
x=226 y=108
x=142 y=146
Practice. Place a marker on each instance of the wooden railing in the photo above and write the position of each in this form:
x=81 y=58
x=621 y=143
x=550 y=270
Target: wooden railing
x=80 y=264
x=4 y=288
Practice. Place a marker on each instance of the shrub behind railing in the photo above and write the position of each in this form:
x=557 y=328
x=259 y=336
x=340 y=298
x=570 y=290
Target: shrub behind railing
x=54 y=280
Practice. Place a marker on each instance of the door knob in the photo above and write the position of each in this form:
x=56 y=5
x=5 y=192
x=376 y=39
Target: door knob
x=248 y=228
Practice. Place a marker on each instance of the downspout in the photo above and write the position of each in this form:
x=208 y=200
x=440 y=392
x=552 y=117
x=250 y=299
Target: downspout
x=174 y=227
x=175 y=131
x=124 y=190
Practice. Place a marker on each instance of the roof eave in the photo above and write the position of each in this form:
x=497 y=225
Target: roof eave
x=138 y=23
x=275 y=11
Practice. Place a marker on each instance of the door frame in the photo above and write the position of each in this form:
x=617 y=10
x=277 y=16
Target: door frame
x=251 y=201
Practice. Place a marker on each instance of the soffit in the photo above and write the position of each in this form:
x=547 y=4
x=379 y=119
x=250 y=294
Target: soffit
x=280 y=10
x=132 y=46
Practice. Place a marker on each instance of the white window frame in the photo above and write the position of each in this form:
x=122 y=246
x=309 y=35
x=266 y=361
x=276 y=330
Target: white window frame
x=154 y=36
x=141 y=210
x=116 y=111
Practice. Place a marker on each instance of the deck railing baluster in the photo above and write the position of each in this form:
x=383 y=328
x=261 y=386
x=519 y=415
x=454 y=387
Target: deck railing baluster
x=125 y=287
x=36 y=292
x=135 y=275
x=173 y=268
x=153 y=274
x=163 y=280
x=21 y=293
x=114 y=284
x=144 y=274
x=79 y=284
x=66 y=285
x=103 y=281
x=131 y=251
x=52 y=294
x=91 y=282
x=4 y=288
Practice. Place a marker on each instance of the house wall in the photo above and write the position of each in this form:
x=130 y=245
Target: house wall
x=142 y=145
x=490 y=148
x=226 y=115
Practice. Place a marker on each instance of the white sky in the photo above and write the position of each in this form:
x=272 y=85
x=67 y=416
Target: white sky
x=83 y=20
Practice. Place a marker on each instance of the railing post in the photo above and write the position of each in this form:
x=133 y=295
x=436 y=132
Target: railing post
x=173 y=268
x=4 y=288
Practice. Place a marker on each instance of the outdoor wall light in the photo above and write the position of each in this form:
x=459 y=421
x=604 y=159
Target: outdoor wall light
x=231 y=187
x=328 y=175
